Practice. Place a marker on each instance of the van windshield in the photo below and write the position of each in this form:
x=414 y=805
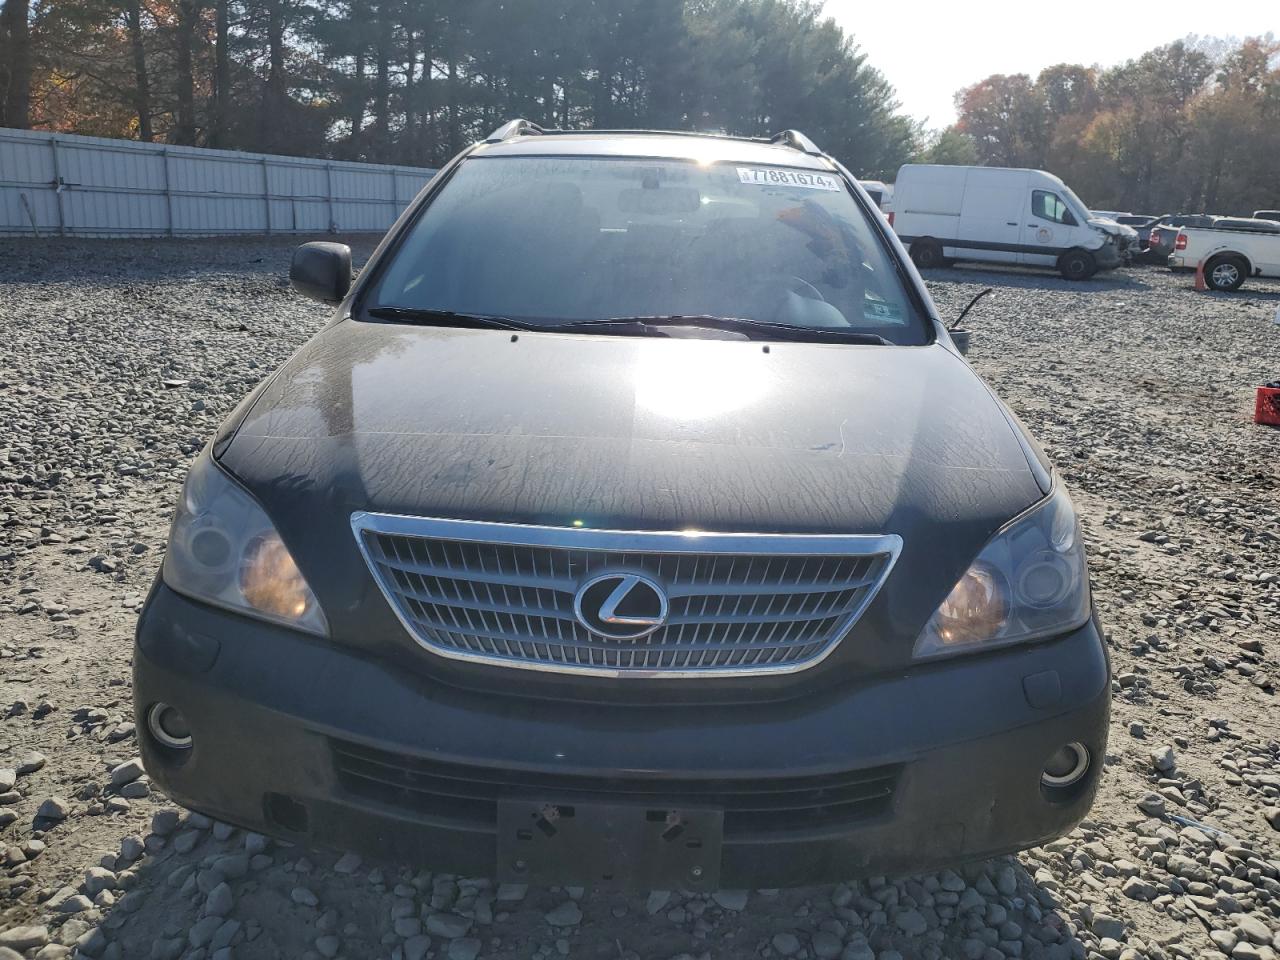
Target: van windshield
x=558 y=240
x=1075 y=203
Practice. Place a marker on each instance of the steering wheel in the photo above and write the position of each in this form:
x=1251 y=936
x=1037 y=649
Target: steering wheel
x=802 y=287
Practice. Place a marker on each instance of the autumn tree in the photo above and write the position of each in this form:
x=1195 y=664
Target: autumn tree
x=413 y=81
x=1170 y=130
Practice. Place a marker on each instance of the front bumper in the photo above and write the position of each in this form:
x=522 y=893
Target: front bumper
x=1109 y=255
x=272 y=712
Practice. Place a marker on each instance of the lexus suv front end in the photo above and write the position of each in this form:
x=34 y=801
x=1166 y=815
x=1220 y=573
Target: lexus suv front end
x=633 y=520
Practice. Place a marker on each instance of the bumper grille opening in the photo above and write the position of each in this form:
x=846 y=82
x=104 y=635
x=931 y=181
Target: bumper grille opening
x=738 y=604
x=755 y=806
x=285 y=812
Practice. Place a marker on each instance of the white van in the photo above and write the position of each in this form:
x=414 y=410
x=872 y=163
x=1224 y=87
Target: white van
x=999 y=214
x=881 y=195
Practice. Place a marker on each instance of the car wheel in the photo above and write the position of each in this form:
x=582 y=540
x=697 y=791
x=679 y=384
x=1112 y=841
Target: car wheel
x=926 y=254
x=1225 y=273
x=1077 y=265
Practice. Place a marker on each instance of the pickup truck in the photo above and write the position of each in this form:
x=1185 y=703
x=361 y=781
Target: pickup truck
x=1230 y=254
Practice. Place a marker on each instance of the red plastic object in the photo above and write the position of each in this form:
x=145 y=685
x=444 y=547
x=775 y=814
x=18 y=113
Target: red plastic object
x=1267 y=410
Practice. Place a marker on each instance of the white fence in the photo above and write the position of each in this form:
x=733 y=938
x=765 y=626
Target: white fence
x=58 y=184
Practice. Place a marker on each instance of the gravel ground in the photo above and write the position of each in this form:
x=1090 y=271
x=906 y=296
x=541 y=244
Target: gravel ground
x=121 y=358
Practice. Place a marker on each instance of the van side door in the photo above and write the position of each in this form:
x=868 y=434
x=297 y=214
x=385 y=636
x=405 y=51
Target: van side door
x=1049 y=227
x=990 y=215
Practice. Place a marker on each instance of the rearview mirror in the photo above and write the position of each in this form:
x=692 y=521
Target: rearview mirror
x=961 y=339
x=321 y=271
x=668 y=200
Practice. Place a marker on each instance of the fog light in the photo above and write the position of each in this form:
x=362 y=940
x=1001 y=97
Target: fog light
x=1067 y=765
x=168 y=725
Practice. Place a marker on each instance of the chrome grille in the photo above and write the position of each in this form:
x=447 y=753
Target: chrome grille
x=738 y=603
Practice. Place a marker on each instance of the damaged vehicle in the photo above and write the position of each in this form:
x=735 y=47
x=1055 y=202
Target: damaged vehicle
x=633 y=520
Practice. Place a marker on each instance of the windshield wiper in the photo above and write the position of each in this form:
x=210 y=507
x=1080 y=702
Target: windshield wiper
x=450 y=318
x=641 y=325
x=753 y=329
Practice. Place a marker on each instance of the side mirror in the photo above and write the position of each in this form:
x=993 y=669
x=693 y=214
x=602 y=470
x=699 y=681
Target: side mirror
x=321 y=271
x=961 y=337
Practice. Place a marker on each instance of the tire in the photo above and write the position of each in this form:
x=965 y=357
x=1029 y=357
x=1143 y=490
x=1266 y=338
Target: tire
x=927 y=254
x=1225 y=272
x=1077 y=265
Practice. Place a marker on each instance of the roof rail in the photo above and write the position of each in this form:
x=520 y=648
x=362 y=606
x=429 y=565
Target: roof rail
x=796 y=141
x=513 y=128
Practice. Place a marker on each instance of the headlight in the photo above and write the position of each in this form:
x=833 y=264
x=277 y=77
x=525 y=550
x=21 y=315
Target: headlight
x=224 y=550
x=1029 y=581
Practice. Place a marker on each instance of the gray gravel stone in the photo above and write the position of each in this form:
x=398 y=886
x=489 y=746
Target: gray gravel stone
x=567 y=914
x=826 y=945
x=25 y=937
x=1163 y=759
x=464 y=948
x=407 y=927
x=911 y=922
x=1253 y=928
x=31 y=762
x=347 y=863
x=53 y=808
x=163 y=822
x=449 y=926
x=787 y=944
x=1135 y=888
x=303 y=896
x=127 y=772
x=223 y=936
x=202 y=931
x=735 y=900
x=220 y=901
x=1107 y=926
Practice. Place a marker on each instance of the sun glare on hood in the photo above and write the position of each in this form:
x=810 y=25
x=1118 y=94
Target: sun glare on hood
x=692 y=380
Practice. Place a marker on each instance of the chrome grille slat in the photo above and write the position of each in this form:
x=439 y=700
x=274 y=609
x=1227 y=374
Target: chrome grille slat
x=739 y=604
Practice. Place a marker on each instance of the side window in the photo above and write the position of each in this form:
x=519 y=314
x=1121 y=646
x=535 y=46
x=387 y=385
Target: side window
x=1049 y=206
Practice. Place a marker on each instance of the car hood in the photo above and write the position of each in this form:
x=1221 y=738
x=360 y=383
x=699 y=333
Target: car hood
x=1111 y=228
x=634 y=433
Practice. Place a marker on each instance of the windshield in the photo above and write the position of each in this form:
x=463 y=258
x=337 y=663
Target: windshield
x=556 y=240
x=1077 y=205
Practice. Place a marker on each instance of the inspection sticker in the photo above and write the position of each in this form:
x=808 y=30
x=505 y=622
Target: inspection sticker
x=772 y=176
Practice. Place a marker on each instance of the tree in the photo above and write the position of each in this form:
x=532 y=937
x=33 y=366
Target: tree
x=1190 y=125
x=15 y=64
x=141 y=77
x=221 y=111
x=949 y=146
x=188 y=21
x=415 y=80
x=1005 y=117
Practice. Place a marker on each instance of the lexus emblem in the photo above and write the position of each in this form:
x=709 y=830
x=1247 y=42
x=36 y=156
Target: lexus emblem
x=621 y=606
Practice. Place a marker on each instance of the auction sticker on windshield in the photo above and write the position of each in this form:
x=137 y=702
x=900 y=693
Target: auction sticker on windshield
x=773 y=177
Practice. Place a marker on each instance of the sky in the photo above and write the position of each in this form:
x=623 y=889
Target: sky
x=930 y=50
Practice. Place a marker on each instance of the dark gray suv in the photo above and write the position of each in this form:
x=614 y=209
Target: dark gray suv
x=634 y=519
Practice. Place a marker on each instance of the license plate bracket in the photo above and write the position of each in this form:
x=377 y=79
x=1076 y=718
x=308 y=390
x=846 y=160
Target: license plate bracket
x=627 y=846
